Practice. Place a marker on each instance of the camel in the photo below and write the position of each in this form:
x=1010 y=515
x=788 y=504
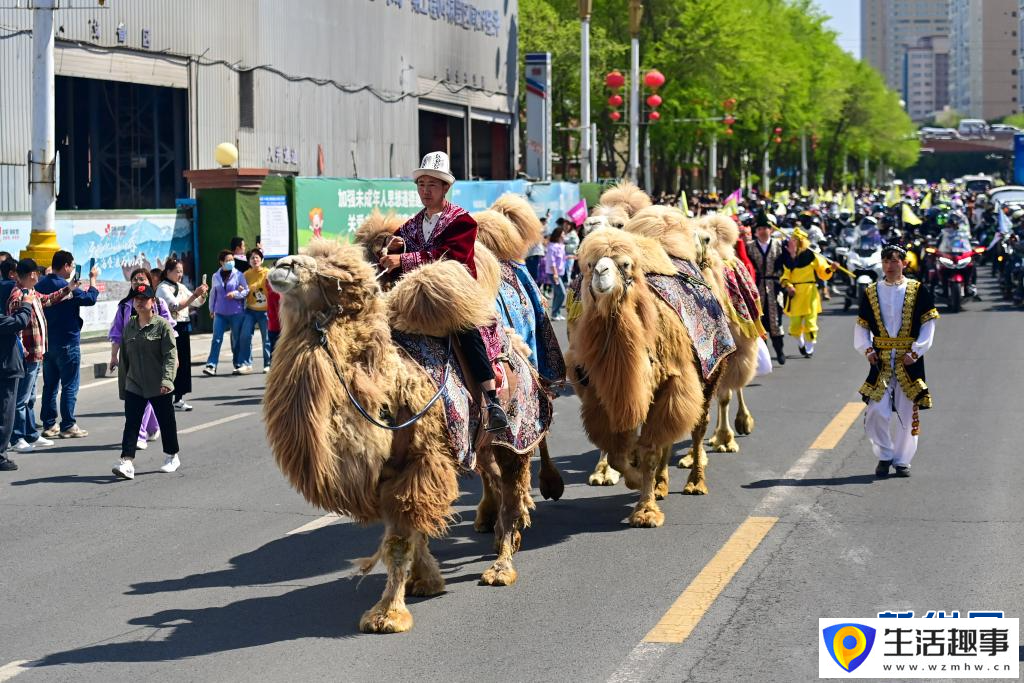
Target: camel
x=510 y=224
x=632 y=365
x=746 y=329
x=508 y=229
x=337 y=353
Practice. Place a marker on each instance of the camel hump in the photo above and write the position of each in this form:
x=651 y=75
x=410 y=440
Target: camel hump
x=438 y=299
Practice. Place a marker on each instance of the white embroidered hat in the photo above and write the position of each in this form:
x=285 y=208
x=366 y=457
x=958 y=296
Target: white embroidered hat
x=435 y=165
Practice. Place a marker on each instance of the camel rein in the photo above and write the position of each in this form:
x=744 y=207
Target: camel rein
x=320 y=324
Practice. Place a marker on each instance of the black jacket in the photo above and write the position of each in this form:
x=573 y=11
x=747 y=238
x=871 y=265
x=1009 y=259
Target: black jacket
x=12 y=356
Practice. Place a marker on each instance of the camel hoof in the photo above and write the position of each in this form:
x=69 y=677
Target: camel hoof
x=425 y=587
x=551 y=485
x=728 y=447
x=745 y=426
x=378 y=620
x=604 y=475
x=685 y=462
x=501 y=574
x=699 y=488
x=646 y=516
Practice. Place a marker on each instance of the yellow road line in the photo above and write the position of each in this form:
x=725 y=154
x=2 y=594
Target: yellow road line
x=840 y=424
x=689 y=608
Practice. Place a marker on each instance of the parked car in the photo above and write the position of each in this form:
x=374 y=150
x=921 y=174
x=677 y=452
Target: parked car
x=933 y=133
x=973 y=128
x=1003 y=128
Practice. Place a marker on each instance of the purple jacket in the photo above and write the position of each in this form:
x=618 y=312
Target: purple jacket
x=220 y=302
x=124 y=314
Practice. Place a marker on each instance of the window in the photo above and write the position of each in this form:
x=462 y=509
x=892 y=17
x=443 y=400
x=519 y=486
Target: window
x=246 y=96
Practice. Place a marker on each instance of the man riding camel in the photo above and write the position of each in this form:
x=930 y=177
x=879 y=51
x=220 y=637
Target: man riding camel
x=443 y=230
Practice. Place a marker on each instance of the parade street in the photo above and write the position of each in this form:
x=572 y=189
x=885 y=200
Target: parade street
x=220 y=572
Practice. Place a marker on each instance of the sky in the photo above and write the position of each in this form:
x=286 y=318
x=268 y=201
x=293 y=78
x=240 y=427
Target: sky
x=845 y=21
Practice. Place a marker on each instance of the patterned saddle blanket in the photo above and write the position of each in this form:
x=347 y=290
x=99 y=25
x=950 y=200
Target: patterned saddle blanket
x=527 y=405
x=688 y=294
x=521 y=307
x=744 y=301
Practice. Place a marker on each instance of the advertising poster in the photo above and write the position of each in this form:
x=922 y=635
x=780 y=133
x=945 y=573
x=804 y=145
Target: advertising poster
x=335 y=207
x=274 y=226
x=120 y=242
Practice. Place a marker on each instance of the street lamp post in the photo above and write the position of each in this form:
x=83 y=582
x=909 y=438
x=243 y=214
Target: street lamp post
x=586 y=150
x=636 y=10
x=42 y=243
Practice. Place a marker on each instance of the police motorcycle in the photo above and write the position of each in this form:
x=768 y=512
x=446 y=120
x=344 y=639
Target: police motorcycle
x=952 y=271
x=864 y=260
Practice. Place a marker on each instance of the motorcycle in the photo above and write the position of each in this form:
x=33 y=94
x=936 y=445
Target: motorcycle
x=952 y=271
x=864 y=260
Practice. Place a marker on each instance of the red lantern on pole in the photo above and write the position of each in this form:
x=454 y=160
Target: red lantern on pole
x=615 y=116
x=615 y=80
x=729 y=120
x=778 y=140
x=778 y=131
x=654 y=79
x=615 y=100
x=654 y=101
x=728 y=131
x=729 y=103
x=654 y=116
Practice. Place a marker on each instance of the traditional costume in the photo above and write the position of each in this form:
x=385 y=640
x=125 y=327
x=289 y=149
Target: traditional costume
x=768 y=259
x=804 y=305
x=894 y=320
x=451 y=234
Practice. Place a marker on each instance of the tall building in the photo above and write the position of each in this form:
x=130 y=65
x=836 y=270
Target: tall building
x=926 y=77
x=890 y=27
x=984 y=59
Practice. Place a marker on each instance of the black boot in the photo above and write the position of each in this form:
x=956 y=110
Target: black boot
x=780 y=355
x=497 y=421
x=902 y=470
x=882 y=470
x=7 y=465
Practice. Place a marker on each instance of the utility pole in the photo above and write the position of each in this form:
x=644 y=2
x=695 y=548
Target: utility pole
x=586 y=150
x=713 y=164
x=636 y=11
x=766 y=170
x=42 y=165
x=803 y=159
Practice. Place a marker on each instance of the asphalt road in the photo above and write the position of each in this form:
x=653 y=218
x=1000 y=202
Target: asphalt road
x=194 y=576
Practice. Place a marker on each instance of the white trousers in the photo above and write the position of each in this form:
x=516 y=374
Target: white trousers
x=891 y=433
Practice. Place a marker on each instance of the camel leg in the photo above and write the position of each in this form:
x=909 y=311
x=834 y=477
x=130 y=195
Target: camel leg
x=551 y=485
x=425 y=578
x=487 y=508
x=696 y=485
x=661 y=476
x=744 y=420
x=390 y=615
x=514 y=515
x=724 y=441
x=603 y=474
x=647 y=514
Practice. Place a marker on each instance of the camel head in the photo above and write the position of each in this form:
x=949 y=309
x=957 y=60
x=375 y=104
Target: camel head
x=375 y=233
x=328 y=277
x=724 y=234
x=609 y=261
x=605 y=216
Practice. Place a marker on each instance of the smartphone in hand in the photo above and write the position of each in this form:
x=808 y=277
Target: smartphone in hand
x=78 y=273
x=204 y=278
x=92 y=264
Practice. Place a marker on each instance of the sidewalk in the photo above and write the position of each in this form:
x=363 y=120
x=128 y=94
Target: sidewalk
x=96 y=351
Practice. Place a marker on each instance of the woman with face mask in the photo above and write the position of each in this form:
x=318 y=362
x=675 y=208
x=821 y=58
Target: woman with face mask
x=227 y=308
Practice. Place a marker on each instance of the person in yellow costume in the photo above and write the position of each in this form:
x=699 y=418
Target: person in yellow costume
x=798 y=280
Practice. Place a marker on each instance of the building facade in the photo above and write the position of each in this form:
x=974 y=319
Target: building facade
x=890 y=27
x=146 y=89
x=984 y=58
x=926 y=77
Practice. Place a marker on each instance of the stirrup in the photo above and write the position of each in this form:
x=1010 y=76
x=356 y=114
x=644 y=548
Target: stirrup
x=497 y=420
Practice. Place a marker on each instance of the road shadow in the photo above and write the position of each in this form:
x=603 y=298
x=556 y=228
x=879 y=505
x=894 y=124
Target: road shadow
x=113 y=413
x=254 y=401
x=68 y=479
x=833 y=481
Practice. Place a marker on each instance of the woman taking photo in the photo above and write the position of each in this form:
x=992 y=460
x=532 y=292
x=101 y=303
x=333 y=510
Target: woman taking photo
x=149 y=430
x=148 y=365
x=181 y=303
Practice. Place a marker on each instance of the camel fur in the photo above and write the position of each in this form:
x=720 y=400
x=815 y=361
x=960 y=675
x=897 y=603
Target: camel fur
x=521 y=215
x=376 y=231
x=631 y=363
x=340 y=462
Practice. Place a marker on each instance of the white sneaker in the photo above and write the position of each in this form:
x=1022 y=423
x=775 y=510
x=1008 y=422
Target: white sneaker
x=266 y=369
x=171 y=463
x=23 y=446
x=42 y=441
x=181 y=405
x=210 y=370
x=245 y=370
x=141 y=445
x=124 y=469
x=154 y=436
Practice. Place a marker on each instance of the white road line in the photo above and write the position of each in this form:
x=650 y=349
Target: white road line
x=39 y=397
x=9 y=671
x=316 y=524
x=214 y=423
